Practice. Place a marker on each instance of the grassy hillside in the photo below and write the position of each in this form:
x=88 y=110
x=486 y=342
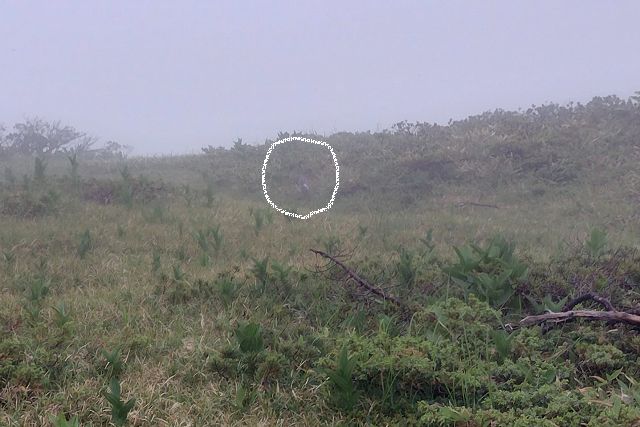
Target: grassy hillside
x=170 y=280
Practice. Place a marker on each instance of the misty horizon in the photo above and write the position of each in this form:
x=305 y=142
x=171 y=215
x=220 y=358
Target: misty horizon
x=171 y=79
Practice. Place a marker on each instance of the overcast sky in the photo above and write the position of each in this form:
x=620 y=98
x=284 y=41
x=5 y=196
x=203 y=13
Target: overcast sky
x=171 y=77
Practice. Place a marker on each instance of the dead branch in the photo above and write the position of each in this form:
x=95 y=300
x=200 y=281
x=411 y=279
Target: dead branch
x=563 y=316
x=589 y=296
x=611 y=315
x=362 y=283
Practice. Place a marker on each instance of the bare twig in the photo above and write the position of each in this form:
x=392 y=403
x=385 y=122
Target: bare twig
x=589 y=296
x=362 y=283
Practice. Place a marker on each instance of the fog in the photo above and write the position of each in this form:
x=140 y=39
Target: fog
x=171 y=77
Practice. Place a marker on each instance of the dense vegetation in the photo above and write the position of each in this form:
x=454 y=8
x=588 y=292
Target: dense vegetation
x=164 y=291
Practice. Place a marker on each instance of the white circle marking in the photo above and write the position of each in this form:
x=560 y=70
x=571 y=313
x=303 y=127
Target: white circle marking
x=311 y=141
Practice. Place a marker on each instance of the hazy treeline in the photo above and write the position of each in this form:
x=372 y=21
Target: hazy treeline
x=549 y=145
x=38 y=137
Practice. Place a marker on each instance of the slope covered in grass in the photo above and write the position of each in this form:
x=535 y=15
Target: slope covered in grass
x=165 y=291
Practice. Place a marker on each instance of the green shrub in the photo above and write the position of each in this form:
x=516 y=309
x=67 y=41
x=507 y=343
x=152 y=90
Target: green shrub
x=407 y=270
x=114 y=365
x=27 y=363
x=596 y=243
x=343 y=390
x=227 y=290
x=490 y=272
x=61 y=421
x=119 y=408
x=599 y=358
x=260 y=271
x=249 y=337
x=28 y=204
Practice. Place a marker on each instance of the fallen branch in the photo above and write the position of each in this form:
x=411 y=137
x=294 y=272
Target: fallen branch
x=589 y=296
x=362 y=283
x=611 y=315
x=563 y=316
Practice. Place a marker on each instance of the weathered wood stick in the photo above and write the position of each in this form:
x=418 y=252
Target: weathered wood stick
x=563 y=316
x=589 y=296
x=359 y=280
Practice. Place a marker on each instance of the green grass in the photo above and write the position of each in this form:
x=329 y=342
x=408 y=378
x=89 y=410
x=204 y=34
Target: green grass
x=173 y=298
